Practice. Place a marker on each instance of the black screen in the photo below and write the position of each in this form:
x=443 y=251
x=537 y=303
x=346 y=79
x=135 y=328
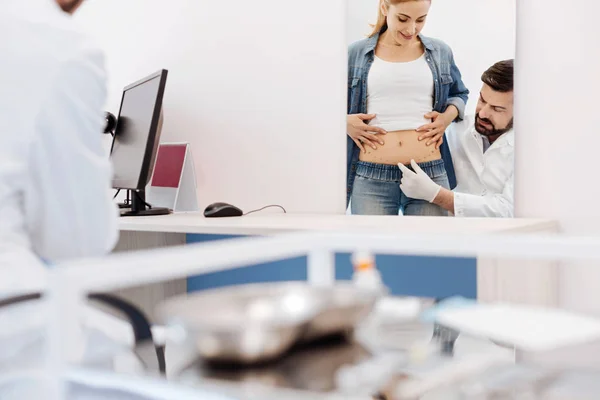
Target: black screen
x=138 y=129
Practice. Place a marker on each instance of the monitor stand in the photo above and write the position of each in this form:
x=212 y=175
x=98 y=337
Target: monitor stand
x=139 y=206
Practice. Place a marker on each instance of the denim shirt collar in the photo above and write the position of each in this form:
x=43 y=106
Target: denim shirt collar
x=372 y=42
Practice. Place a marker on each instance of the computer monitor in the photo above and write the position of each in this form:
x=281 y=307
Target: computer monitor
x=136 y=140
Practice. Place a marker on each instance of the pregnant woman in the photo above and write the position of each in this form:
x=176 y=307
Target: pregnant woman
x=404 y=90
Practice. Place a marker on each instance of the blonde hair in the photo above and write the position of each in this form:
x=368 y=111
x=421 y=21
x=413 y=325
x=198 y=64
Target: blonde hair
x=381 y=19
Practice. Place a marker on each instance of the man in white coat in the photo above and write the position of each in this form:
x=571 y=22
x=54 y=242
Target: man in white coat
x=55 y=175
x=55 y=200
x=482 y=151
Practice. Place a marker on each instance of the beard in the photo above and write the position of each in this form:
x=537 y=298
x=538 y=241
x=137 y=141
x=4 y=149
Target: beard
x=493 y=131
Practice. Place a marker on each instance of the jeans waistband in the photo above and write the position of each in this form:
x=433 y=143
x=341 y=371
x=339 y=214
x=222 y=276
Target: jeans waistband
x=386 y=172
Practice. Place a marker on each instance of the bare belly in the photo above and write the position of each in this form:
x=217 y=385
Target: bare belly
x=400 y=147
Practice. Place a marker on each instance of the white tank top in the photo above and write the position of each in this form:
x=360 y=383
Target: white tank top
x=399 y=94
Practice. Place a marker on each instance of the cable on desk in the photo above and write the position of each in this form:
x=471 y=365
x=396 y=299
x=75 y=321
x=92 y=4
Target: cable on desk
x=260 y=209
x=127 y=200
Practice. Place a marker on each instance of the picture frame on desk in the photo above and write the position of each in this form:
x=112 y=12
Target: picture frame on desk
x=173 y=183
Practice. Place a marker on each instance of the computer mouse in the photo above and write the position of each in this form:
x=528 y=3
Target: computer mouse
x=222 y=210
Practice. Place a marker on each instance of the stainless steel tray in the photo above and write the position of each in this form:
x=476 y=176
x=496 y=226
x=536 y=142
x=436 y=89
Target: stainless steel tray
x=312 y=369
x=258 y=322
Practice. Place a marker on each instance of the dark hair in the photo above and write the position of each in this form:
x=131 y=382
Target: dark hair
x=69 y=6
x=500 y=76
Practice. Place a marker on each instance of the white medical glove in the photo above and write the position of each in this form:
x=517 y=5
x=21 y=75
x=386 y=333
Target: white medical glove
x=417 y=184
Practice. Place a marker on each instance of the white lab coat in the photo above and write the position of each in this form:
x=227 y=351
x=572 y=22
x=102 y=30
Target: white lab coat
x=485 y=181
x=55 y=175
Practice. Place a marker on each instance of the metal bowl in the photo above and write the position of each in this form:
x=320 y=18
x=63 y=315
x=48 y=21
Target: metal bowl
x=244 y=323
x=259 y=322
x=346 y=306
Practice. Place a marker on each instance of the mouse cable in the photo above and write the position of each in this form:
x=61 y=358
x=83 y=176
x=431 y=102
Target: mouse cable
x=127 y=199
x=260 y=209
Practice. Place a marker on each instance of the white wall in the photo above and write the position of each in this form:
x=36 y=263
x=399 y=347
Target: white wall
x=480 y=33
x=254 y=86
x=557 y=147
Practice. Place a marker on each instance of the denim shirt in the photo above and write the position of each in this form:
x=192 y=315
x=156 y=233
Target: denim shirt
x=449 y=89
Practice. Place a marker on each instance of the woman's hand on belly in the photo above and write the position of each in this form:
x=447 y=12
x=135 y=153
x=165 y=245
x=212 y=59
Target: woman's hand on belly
x=434 y=131
x=363 y=134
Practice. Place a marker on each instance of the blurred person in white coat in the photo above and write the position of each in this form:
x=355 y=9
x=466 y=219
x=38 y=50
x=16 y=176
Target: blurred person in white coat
x=55 y=175
x=55 y=201
x=482 y=149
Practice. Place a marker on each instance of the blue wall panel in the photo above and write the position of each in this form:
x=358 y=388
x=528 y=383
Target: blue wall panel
x=404 y=275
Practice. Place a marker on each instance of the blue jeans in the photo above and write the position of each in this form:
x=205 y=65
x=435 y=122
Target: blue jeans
x=376 y=190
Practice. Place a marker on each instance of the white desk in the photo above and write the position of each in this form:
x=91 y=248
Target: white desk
x=274 y=223
x=523 y=281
